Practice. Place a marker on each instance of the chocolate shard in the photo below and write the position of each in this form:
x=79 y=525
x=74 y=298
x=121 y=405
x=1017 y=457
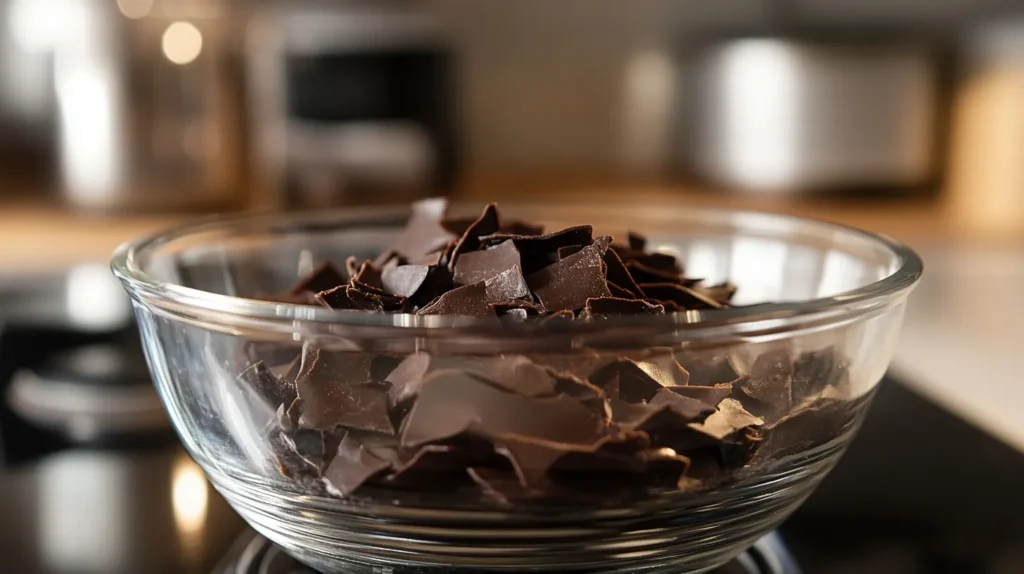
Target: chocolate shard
x=726 y=420
x=323 y=278
x=558 y=317
x=666 y=409
x=643 y=274
x=633 y=383
x=333 y=389
x=270 y=387
x=708 y=395
x=531 y=457
x=369 y=276
x=539 y=251
x=486 y=224
x=437 y=283
x=477 y=266
x=517 y=373
x=618 y=274
x=621 y=293
x=660 y=364
x=568 y=250
x=290 y=463
x=810 y=427
x=770 y=380
x=351 y=467
x=637 y=242
x=509 y=285
x=814 y=371
x=469 y=300
x=352 y=265
x=404 y=280
x=567 y=284
x=686 y=298
x=600 y=308
x=708 y=370
x=528 y=309
x=721 y=292
x=453 y=402
x=423 y=233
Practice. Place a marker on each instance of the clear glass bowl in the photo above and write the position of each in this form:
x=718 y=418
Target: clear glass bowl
x=829 y=297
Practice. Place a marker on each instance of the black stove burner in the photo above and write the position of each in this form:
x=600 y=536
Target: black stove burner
x=254 y=554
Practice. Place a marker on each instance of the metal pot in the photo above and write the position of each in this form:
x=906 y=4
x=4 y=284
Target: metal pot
x=784 y=114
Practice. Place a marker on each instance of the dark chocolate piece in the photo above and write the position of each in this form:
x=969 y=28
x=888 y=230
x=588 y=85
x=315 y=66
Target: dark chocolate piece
x=567 y=284
x=469 y=300
x=620 y=293
x=568 y=250
x=479 y=266
x=707 y=370
x=452 y=402
x=404 y=280
x=729 y=417
x=323 y=278
x=509 y=285
x=334 y=392
x=369 y=276
x=289 y=462
x=643 y=274
x=637 y=242
x=819 y=423
x=633 y=384
x=352 y=466
x=521 y=228
x=423 y=233
x=486 y=224
x=660 y=364
x=686 y=298
x=814 y=371
x=599 y=308
x=539 y=251
x=505 y=308
x=770 y=380
x=722 y=292
x=270 y=387
x=618 y=274
x=707 y=395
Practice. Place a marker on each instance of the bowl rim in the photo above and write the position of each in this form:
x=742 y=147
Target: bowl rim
x=178 y=299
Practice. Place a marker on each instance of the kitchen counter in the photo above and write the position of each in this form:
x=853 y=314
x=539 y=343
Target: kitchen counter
x=959 y=349
x=37 y=236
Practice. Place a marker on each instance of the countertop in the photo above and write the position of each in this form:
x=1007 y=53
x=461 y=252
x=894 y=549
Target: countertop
x=964 y=328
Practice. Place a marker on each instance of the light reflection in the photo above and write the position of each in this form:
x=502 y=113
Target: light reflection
x=189 y=498
x=182 y=43
x=759 y=139
x=135 y=9
x=94 y=299
x=87 y=92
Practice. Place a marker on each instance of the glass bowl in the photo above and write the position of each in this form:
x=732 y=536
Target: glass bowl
x=819 y=308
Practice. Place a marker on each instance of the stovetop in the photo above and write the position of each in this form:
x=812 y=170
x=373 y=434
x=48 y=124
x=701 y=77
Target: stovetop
x=919 y=491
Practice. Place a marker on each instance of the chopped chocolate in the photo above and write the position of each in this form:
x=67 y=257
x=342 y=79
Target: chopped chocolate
x=324 y=277
x=599 y=308
x=453 y=402
x=469 y=300
x=726 y=420
x=684 y=297
x=813 y=372
x=770 y=380
x=619 y=275
x=486 y=224
x=351 y=467
x=423 y=234
x=477 y=266
x=722 y=292
x=567 y=284
x=539 y=251
x=509 y=285
x=708 y=395
x=267 y=385
x=575 y=424
x=404 y=280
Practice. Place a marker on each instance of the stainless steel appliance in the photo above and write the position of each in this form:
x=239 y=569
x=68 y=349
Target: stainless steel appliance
x=148 y=98
x=351 y=103
x=815 y=113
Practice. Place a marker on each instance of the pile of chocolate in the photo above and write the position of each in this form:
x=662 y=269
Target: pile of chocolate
x=584 y=425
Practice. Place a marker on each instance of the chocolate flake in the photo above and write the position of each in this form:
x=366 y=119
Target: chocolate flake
x=267 y=385
x=598 y=308
x=770 y=380
x=486 y=224
x=686 y=298
x=423 y=234
x=469 y=300
x=404 y=280
x=637 y=242
x=726 y=420
x=352 y=466
x=707 y=395
x=618 y=274
x=539 y=251
x=567 y=284
x=479 y=266
x=509 y=285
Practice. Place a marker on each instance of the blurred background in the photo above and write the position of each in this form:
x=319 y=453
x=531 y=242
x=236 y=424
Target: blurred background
x=120 y=117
